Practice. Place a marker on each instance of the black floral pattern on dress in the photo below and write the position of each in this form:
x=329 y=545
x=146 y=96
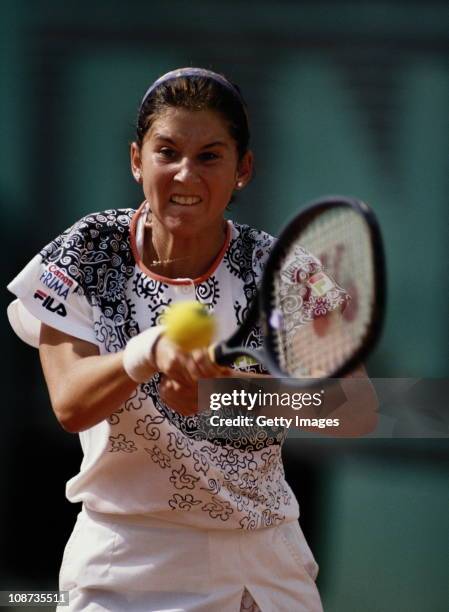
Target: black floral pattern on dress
x=208 y=292
x=183 y=502
x=218 y=472
x=120 y=443
x=158 y=456
x=180 y=479
x=96 y=253
x=153 y=290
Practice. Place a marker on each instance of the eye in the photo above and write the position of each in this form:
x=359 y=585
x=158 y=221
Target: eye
x=167 y=153
x=208 y=156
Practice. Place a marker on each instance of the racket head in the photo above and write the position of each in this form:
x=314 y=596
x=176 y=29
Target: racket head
x=343 y=233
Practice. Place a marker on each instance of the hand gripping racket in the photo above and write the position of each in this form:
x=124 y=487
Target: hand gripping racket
x=318 y=321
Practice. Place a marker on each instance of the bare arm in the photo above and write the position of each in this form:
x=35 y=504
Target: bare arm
x=356 y=410
x=84 y=386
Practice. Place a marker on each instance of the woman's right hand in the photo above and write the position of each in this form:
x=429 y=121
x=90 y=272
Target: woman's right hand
x=185 y=367
x=181 y=371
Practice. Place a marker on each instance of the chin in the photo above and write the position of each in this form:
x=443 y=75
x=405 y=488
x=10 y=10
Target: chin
x=185 y=227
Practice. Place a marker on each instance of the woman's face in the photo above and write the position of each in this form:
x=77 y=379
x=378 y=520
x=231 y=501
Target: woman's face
x=188 y=166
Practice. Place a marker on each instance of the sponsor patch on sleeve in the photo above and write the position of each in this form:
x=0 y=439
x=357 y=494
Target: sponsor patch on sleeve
x=49 y=303
x=57 y=281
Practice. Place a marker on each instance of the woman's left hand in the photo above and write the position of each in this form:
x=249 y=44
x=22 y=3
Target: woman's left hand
x=183 y=397
x=178 y=396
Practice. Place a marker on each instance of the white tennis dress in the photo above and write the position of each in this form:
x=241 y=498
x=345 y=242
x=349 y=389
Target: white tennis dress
x=175 y=517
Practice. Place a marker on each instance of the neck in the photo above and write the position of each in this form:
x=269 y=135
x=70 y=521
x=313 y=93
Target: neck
x=179 y=255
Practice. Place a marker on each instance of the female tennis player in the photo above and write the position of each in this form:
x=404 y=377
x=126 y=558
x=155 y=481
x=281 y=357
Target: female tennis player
x=172 y=518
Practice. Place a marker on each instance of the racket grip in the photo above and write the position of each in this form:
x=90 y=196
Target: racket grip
x=211 y=352
x=219 y=356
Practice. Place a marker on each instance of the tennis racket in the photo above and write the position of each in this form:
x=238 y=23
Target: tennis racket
x=318 y=320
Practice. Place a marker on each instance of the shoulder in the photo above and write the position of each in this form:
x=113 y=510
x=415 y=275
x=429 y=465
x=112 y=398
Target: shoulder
x=95 y=228
x=249 y=245
x=251 y=236
x=93 y=231
x=107 y=221
x=95 y=240
x=247 y=252
x=247 y=239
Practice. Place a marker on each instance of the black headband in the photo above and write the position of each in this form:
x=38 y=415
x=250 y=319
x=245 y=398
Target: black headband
x=187 y=72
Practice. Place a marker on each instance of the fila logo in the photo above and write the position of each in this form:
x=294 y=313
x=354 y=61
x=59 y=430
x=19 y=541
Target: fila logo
x=50 y=303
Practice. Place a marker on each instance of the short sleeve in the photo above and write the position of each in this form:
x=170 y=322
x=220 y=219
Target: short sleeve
x=49 y=290
x=261 y=251
x=247 y=258
x=306 y=284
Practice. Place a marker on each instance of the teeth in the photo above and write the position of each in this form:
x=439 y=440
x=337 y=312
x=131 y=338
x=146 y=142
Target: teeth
x=185 y=200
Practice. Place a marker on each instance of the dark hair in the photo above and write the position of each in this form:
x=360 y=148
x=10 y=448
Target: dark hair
x=196 y=93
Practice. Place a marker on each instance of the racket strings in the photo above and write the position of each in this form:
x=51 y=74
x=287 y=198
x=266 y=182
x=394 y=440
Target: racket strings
x=316 y=328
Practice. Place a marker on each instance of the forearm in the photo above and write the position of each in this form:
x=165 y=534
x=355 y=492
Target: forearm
x=353 y=402
x=85 y=387
x=92 y=389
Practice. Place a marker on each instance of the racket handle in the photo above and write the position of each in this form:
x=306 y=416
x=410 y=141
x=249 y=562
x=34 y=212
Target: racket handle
x=218 y=356
x=224 y=355
x=211 y=352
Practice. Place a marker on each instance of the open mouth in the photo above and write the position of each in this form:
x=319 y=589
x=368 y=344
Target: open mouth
x=182 y=200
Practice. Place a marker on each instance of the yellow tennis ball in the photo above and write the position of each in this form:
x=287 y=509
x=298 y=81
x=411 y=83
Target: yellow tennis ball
x=189 y=325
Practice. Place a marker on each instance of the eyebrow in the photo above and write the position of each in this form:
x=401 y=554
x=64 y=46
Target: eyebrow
x=216 y=143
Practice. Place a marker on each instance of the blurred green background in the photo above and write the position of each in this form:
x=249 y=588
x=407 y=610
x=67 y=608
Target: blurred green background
x=344 y=97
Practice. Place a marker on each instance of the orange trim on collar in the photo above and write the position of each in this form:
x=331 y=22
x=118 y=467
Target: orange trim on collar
x=165 y=279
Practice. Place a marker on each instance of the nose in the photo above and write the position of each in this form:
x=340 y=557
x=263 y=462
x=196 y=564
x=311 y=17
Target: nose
x=186 y=172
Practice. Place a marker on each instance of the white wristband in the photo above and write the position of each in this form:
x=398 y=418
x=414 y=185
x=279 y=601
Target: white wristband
x=138 y=354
